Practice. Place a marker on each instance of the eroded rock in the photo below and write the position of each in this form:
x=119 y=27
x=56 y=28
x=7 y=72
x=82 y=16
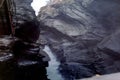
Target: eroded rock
x=84 y=32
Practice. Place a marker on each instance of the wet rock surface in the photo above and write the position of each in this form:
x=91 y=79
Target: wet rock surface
x=20 y=56
x=84 y=33
x=21 y=60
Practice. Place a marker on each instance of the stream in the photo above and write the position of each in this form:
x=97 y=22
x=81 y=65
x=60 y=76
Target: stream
x=52 y=70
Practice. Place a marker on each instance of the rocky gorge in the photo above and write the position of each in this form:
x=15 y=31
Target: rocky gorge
x=84 y=35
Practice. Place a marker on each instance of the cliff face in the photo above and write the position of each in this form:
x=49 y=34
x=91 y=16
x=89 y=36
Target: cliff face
x=24 y=12
x=21 y=57
x=70 y=18
x=84 y=34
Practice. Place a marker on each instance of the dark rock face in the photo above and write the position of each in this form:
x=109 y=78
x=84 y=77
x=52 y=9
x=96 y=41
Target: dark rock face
x=30 y=64
x=28 y=31
x=76 y=70
x=83 y=32
x=21 y=57
x=29 y=60
x=6 y=58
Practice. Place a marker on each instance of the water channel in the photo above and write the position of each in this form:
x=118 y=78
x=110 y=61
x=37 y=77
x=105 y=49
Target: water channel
x=52 y=70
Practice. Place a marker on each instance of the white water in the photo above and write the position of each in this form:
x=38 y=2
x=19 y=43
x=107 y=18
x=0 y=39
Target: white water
x=52 y=70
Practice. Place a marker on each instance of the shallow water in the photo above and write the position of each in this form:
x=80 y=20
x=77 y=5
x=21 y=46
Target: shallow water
x=52 y=70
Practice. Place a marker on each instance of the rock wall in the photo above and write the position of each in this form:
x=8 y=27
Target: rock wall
x=20 y=55
x=24 y=12
x=84 y=34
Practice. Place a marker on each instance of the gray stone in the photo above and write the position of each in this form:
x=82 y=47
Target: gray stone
x=83 y=31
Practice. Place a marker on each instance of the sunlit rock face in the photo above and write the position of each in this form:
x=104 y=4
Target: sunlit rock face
x=84 y=33
x=70 y=18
